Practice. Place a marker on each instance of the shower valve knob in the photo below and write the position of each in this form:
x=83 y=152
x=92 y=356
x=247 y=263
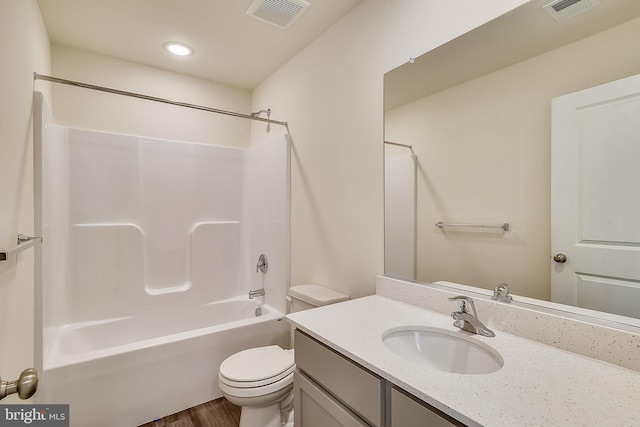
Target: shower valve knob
x=262 y=265
x=25 y=386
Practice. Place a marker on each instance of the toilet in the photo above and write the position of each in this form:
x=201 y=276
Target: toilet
x=260 y=379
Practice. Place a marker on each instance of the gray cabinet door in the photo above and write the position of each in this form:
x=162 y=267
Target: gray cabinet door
x=355 y=387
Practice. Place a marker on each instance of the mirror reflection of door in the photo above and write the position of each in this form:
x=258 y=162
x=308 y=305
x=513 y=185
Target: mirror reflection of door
x=595 y=198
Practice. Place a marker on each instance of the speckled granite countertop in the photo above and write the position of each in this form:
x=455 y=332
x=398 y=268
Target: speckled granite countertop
x=538 y=385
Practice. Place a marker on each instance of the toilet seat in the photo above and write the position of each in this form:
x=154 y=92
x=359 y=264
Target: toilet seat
x=257 y=367
x=256 y=392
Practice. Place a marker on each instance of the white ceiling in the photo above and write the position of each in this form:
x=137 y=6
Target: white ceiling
x=531 y=31
x=230 y=46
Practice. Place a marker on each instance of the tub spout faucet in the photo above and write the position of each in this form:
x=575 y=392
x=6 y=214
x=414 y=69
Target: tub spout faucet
x=256 y=293
x=262 y=265
x=468 y=320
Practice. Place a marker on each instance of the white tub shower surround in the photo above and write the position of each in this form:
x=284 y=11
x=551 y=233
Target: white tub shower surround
x=150 y=251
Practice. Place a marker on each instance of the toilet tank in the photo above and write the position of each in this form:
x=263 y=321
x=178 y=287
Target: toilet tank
x=303 y=297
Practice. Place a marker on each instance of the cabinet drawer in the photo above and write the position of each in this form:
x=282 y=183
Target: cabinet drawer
x=407 y=411
x=357 y=388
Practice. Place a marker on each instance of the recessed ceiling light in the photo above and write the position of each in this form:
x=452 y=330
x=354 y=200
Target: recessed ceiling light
x=179 y=49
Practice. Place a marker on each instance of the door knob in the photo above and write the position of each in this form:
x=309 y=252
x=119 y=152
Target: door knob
x=25 y=386
x=560 y=257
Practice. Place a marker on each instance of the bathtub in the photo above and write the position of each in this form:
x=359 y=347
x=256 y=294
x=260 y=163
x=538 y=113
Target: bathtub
x=128 y=371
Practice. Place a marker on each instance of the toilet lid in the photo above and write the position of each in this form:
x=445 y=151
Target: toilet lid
x=256 y=364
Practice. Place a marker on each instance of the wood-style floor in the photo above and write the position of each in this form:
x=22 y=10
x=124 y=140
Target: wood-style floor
x=217 y=413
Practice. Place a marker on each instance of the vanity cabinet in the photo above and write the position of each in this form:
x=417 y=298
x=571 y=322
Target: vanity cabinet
x=333 y=391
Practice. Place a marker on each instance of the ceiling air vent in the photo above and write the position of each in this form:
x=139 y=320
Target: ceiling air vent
x=565 y=9
x=281 y=13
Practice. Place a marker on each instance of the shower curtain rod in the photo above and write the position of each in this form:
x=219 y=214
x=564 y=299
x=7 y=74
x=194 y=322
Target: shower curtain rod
x=37 y=76
x=399 y=145
x=410 y=147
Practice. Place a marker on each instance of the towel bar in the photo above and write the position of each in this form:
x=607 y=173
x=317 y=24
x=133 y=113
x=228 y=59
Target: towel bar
x=24 y=242
x=504 y=226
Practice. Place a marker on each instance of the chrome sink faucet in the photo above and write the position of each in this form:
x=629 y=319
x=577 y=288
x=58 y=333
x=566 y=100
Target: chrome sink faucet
x=468 y=320
x=501 y=293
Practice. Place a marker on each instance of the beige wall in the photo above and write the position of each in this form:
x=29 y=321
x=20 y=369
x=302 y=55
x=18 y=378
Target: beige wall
x=483 y=149
x=332 y=95
x=94 y=110
x=22 y=26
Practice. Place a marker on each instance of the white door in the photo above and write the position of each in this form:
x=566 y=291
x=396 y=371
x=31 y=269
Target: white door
x=595 y=198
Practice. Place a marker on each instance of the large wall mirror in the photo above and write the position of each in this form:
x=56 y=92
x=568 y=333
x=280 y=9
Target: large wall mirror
x=512 y=155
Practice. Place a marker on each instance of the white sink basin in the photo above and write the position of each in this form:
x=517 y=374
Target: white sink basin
x=444 y=350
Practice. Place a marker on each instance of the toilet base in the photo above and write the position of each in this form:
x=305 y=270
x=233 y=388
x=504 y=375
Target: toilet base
x=287 y=418
x=271 y=410
x=267 y=416
x=271 y=416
